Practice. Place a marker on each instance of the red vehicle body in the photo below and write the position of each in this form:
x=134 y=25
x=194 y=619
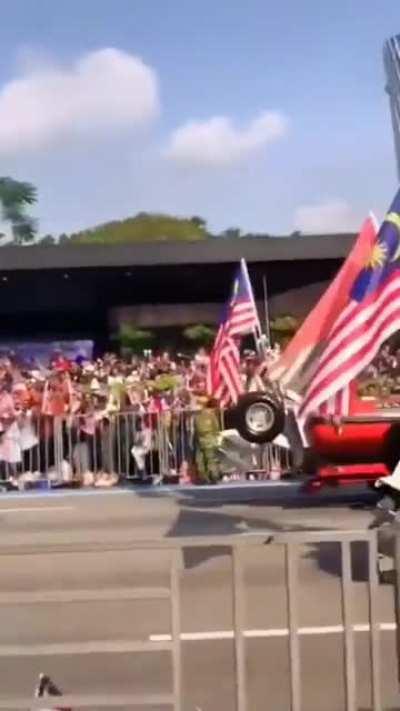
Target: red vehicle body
x=361 y=447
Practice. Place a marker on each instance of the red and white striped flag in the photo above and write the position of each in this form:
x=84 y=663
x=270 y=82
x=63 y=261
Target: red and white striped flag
x=295 y=366
x=370 y=317
x=337 y=404
x=240 y=318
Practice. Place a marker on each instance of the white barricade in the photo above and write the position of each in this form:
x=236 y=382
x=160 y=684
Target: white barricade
x=78 y=449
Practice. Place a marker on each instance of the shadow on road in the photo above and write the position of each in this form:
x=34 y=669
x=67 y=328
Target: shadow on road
x=191 y=522
x=253 y=494
x=327 y=557
x=200 y=514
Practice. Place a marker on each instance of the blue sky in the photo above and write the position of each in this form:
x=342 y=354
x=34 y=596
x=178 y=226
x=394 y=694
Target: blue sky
x=261 y=115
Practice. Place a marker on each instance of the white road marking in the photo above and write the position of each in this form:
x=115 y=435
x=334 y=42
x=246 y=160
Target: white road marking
x=40 y=597
x=257 y=634
x=74 y=648
x=162 y=642
x=36 y=509
x=84 y=701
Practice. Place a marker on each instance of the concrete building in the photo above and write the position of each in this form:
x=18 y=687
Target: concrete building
x=391 y=58
x=85 y=291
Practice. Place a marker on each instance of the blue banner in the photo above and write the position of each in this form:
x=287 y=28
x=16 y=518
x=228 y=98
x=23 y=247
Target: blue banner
x=39 y=354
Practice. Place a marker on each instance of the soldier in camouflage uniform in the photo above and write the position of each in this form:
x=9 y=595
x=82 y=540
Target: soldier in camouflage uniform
x=207 y=428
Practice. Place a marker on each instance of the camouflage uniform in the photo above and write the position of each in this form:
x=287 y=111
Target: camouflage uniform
x=207 y=429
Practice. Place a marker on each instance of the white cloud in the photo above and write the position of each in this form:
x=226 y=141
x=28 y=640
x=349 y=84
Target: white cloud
x=217 y=142
x=330 y=216
x=104 y=89
x=5 y=232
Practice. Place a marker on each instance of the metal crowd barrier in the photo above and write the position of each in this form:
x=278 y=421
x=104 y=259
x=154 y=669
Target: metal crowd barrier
x=133 y=447
x=239 y=548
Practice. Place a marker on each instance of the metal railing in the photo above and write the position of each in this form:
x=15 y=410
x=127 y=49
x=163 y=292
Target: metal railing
x=239 y=547
x=133 y=447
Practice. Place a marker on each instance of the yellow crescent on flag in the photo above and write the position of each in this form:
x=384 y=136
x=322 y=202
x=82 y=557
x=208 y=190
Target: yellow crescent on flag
x=394 y=219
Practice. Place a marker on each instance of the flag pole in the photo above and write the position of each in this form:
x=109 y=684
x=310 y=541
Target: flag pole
x=266 y=311
x=257 y=332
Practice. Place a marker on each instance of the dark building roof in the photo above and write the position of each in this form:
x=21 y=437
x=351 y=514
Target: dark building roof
x=212 y=251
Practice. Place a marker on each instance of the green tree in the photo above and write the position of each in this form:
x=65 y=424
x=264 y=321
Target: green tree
x=143 y=228
x=15 y=197
x=232 y=233
x=200 y=335
x=283 y=328
x=47 y=240
x=133 y=339
x=198 y=221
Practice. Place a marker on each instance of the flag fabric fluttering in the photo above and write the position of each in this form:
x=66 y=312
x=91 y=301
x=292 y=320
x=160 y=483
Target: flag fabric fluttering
x=370 y=317
x=239 y=319
x=337 y=404
x=295 y=366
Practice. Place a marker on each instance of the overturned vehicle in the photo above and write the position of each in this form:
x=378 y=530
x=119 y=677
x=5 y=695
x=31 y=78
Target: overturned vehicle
x=261 y=437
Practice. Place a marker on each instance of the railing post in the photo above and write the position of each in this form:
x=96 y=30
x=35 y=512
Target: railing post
x=176 y=629
x=396 y=529
x=373 y=588
x=349 y=656
x=293 y=619
x=238 y=627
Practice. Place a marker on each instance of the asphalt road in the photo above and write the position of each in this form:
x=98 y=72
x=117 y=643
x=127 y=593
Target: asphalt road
x=68 y=569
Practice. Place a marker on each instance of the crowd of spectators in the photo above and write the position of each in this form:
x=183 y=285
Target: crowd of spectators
x=91 y=421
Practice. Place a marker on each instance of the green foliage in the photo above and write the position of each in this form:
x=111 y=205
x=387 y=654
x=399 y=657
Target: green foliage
x=200 y=334
x=285 y=324
x=198 y=221
x=47 y=241
x=15 y=197
x=144 y=228
x=283 y=329
x=134 y=339
x=164 y=383
x=232 y=233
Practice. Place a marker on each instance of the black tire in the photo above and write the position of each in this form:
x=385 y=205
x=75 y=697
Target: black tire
x=274 y=414
x=392 y=446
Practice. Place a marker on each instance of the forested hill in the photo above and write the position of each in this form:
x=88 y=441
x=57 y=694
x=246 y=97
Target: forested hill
x=143 y=227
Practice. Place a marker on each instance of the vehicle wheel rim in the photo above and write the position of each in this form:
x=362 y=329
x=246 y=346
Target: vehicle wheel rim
x=259 y=418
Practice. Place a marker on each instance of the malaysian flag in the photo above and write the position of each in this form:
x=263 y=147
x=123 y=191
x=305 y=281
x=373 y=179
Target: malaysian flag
x=337 y=404
x=239 y=318
x=370 y=317
x=295 y=366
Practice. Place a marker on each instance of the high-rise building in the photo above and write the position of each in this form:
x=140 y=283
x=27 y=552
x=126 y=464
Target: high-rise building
x=391 y=58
